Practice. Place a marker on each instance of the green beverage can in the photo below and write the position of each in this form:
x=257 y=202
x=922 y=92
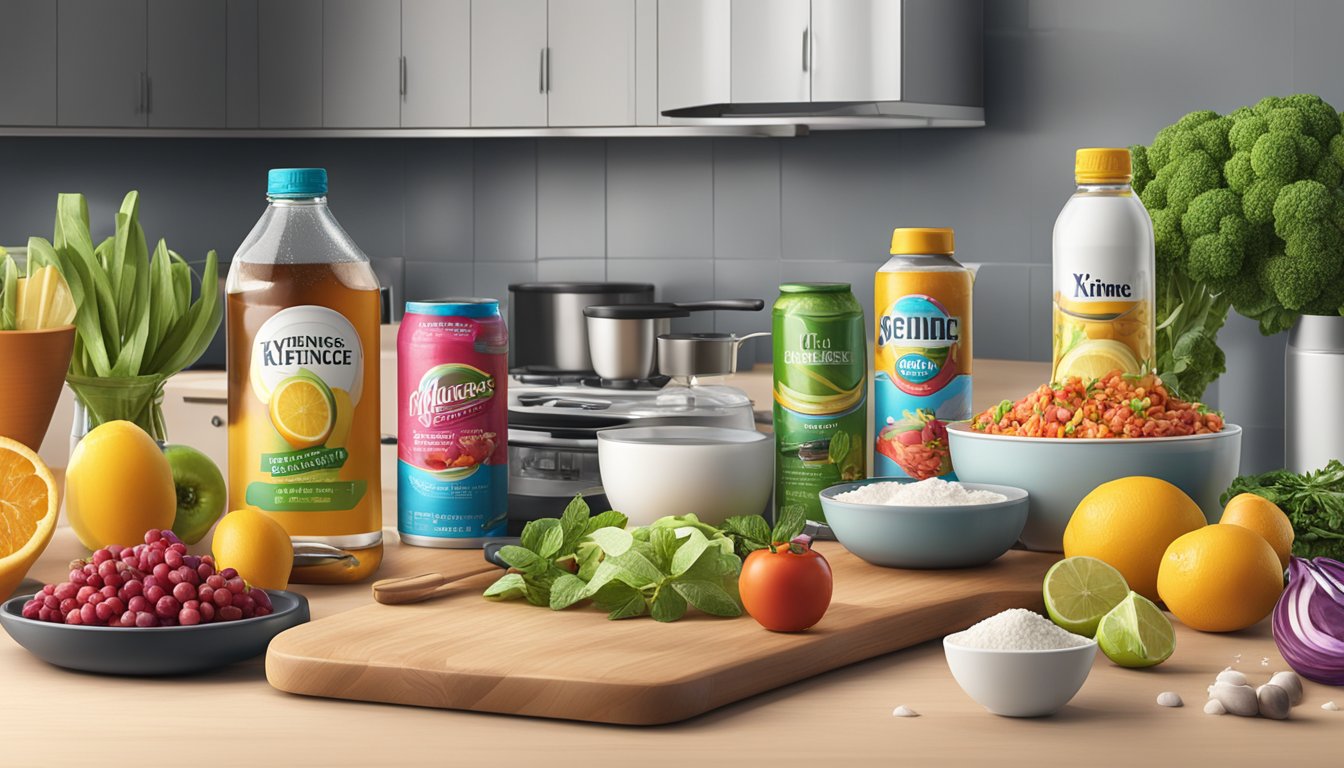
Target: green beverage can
x=821 y=390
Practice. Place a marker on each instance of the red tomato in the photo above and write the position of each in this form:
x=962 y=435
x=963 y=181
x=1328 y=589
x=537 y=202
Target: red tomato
x=785 y=591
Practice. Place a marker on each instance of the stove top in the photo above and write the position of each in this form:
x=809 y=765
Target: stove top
x=590 y=380
x=578 y=410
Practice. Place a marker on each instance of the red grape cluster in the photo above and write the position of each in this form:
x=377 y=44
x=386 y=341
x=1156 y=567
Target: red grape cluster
x=155 y=584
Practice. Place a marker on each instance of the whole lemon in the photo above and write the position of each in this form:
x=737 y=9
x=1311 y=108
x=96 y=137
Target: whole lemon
x=1128 y=524
x=118 y=485
x=1220 y=578
x=1265 y=518
x=256 y=546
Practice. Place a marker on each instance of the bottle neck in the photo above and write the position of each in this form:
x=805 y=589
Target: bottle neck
x=296 y=202
x=1110 y=187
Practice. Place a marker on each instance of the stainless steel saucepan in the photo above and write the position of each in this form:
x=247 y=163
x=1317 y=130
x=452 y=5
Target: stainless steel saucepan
x=700 y=354
x=623 y=338
x=549 y=331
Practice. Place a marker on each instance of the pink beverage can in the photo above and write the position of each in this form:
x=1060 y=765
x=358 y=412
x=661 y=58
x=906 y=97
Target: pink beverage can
x=452 y=423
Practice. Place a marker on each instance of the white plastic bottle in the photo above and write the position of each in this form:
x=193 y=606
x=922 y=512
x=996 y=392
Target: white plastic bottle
x=1103 y=273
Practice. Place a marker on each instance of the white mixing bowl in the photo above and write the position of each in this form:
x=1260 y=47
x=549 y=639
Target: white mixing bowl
x=712 y=472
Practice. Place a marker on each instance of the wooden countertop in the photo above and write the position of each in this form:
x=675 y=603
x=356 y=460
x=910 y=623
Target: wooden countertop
x=842 y=717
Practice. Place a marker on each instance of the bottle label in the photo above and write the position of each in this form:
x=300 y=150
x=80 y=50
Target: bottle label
x=1098 y=276
x=307 y=370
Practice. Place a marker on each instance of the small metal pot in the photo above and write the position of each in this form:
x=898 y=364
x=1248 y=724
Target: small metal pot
x=700 y=354
x=623 y=339
x=551 y=335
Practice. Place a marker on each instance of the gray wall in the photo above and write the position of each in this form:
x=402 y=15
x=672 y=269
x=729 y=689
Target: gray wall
x=728 y=217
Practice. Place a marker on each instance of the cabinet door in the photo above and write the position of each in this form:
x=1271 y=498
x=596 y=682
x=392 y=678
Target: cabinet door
x=101 y=76
x=28 y=81
x=770 y=51
x=591 y=64
x=241 y=64
x=289 y=63
x=693 y=53
x=436 y=63
x=361 y=69
x=186 y=64
x=856 y=50
x=508 y=49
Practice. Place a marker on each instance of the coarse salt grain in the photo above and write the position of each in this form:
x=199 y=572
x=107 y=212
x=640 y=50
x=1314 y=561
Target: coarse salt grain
x=1017 y=629
x=1330 y=706
x=933 y=492
x=904 y=711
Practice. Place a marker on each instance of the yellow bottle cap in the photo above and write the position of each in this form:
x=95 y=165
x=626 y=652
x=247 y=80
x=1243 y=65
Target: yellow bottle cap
x=1102 y=165
x=919 y=240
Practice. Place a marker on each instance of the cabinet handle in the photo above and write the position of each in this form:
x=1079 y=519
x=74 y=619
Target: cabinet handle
x=215 y=421
x=548 y=70
x=402 y=64
x=541 y=72
x=807 y=50
x=142 y=107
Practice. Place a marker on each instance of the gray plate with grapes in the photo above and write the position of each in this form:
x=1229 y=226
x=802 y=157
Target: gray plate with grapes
x=152 y=650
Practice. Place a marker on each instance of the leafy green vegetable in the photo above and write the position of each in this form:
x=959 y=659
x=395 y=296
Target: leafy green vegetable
x=1247 y=214
x=839 y=446
x=1314 y=503
x=9 y=294
x=752 y=532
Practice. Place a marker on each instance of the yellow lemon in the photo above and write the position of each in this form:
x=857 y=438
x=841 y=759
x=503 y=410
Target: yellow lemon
x=256 y=546
x=28 y=509
x=1128 y=523
x=118 y=485
x=303 y=411
x=1265 y=518
x=1220 y=578
x=1095 y=358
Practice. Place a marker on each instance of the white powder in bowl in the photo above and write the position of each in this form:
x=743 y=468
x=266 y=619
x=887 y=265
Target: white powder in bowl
x=1017 y=629
x=934 y=492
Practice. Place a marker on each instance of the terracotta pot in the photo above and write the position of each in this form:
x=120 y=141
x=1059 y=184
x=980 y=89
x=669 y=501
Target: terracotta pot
x=32 y=372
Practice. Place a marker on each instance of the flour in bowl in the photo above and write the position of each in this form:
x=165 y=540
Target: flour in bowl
x=1017 y=629
x=933 y=492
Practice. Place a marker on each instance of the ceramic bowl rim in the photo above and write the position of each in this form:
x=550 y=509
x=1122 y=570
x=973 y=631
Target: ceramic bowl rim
x=963 y=429
x=13 y=607
x=1015 y=496
x=1090 y=644
x=703 y=436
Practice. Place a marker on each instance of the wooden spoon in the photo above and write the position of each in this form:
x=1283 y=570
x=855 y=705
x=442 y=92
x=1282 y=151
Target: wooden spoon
x=414 y=589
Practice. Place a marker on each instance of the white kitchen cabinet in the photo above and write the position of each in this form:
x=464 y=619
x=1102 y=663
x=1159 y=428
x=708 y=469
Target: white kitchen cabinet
x=771 y=51
x=436 y=63
x=186 y=85
x=28 y=80
x=508 y=63
x=361 y=63
x=591 y=66
x=856 y=50
x=101 y=74
x=694 y=63
x=289 y=63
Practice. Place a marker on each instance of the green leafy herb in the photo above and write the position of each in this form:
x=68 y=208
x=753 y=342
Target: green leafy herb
x=1314 y=503
x=839 y=446
x=1002 y=410
x=752 y=532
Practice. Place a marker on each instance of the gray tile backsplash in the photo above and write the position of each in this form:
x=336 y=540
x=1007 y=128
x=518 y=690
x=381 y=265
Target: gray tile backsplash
x=571 y=199
x=660 y=199
x=505 y=174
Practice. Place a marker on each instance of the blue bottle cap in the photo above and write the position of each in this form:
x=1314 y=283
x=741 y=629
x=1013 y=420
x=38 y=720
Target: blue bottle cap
x=296 y=182
x=454 y=307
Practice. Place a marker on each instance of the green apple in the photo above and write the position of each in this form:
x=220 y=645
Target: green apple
x=201 y=495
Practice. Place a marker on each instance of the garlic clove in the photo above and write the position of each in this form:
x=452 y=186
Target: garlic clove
x=1273 y=702
x=1290 y=682
x=1231 y=677
x=1214 y=707
x=1169 y=699
x=1239 y=700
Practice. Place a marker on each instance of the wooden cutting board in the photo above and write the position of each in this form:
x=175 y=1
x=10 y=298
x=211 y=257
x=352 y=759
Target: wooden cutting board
x=464 y=652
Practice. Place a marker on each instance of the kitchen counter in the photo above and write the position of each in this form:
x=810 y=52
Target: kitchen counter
x=52 y=716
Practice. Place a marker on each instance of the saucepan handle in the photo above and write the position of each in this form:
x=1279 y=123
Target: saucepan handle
x=741 y=305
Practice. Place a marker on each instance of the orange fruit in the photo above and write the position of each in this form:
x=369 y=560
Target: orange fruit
x=256 y=546
x=1265 y=518
x=303 y=411
x=29 y=504
x=118 y=486
x=1220 y=578
x=1128 y=523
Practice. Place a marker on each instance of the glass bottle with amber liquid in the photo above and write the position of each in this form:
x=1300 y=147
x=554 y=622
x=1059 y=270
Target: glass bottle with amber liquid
x=303 y=335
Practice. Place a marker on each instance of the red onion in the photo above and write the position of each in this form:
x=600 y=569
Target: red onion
x=1309 y=619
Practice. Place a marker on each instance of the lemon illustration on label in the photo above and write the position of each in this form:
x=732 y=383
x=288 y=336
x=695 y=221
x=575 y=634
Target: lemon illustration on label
x=303 y=410
x=345 y=416
x=1095 y=358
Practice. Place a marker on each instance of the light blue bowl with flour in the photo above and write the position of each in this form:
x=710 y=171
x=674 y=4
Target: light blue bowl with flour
x=898 y=536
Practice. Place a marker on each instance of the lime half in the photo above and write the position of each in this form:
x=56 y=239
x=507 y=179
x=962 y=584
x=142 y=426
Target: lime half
x=1080 y=590
x=1136 y=633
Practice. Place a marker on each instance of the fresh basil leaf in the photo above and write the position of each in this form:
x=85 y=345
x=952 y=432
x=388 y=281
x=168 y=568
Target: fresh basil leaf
x=838 y=448
x=637 y=567
x=621 y=601
x=747 y=526
x=613 y=541
x=689 y=552
x=609 y=519
x=708 y=596
x=668 y=605
x=540 y=535
x=665 y=543
x=522 y=558
x=791 y=521
x=566 y=591
x=574 y=522
x=589 y=557
x=603 y=575
x=510 y=586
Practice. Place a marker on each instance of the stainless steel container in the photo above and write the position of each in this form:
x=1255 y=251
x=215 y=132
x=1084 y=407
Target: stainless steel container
x=1314 y=393
x=623 y=340
x=700 y=354
x=552 y=336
